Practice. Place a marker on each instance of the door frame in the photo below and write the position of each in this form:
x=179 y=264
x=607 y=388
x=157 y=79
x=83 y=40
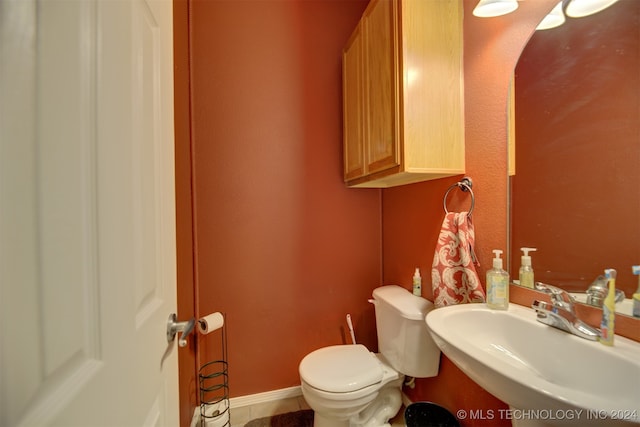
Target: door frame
x=185 y=221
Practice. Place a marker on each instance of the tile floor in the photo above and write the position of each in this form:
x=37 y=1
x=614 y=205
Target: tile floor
x=242 y=415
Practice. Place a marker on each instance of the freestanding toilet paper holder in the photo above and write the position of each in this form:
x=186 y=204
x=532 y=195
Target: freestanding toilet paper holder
x=213 y=379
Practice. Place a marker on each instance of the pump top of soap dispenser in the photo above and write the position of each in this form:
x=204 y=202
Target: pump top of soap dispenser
x=497 y=261
x=526 y=258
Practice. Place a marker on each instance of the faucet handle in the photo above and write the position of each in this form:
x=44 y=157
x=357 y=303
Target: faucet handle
x=559 y=297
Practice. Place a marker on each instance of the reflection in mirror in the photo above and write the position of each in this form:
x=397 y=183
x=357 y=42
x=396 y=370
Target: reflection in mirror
x=575 y=195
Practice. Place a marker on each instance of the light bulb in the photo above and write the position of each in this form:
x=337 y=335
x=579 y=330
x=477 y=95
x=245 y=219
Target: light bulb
x=555 y=18
x=580 y=8
x=491 y=8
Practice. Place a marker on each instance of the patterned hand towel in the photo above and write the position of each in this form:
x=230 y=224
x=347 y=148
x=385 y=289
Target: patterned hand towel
x=453 y=272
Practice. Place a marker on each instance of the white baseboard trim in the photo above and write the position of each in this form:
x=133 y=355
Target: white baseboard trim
x=283 y=393
x=267 y=396
x=253 y=399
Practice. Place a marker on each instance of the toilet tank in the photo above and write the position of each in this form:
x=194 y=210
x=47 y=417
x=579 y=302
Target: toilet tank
x=403 y=337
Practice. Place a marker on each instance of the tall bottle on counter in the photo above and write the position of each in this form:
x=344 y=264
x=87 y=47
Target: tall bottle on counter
x=607 y=326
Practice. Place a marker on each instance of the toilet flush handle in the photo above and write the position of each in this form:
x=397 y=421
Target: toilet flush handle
x=372 y=301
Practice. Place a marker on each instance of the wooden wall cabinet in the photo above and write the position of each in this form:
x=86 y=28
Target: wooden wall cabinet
x=403 y=94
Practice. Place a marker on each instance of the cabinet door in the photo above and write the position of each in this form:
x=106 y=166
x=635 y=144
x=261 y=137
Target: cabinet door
x=381 y=90
x=354 y=107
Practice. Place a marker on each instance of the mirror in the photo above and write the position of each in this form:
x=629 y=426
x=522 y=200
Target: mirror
x=575 y=195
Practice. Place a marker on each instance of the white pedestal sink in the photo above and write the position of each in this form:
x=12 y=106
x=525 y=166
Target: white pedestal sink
x=547 y=376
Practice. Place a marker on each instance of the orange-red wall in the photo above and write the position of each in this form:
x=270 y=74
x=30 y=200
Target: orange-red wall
x=282 y=246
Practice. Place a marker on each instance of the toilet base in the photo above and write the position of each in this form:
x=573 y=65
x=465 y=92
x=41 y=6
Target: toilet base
x=320 y=421
x=381 y=410
x=384 y=407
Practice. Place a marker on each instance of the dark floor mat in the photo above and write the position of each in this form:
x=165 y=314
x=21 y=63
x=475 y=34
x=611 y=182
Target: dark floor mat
x=302 y=418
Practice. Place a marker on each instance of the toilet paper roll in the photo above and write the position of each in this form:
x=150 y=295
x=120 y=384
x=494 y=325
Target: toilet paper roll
x=210 y=323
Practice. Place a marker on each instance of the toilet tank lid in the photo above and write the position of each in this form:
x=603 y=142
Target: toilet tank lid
x=408 y=305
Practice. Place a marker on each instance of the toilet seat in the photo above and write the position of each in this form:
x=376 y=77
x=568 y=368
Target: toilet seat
x=341 y=369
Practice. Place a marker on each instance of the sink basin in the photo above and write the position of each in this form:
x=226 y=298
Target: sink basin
x=548 y=376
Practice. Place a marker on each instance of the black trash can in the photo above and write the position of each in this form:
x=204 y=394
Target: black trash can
x=428 y=414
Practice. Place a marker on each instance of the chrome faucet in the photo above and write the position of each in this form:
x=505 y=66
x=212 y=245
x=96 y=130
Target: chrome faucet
x=598 y=290
x=561 y=314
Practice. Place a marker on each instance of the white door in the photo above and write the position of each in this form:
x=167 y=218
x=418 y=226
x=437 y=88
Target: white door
x=87 y=215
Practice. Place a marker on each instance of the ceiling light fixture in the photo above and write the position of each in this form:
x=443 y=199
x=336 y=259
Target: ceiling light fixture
x=580 y=8
x=554 y=19
x=492 y=8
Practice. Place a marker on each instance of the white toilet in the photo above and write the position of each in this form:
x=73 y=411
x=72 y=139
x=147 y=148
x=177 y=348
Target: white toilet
x=348 y=386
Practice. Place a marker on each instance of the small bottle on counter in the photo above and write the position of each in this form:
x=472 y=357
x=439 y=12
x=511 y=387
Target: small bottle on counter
x=417 y=283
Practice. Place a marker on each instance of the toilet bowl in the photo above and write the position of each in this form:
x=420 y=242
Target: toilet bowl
x=339 y=382
x=349 y=386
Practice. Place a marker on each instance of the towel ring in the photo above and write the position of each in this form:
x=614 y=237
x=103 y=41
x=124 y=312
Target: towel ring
x=464 y=185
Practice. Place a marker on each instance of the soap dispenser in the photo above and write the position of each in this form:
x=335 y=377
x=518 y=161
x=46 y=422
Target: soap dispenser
x=497 y=284
x=526 y=271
